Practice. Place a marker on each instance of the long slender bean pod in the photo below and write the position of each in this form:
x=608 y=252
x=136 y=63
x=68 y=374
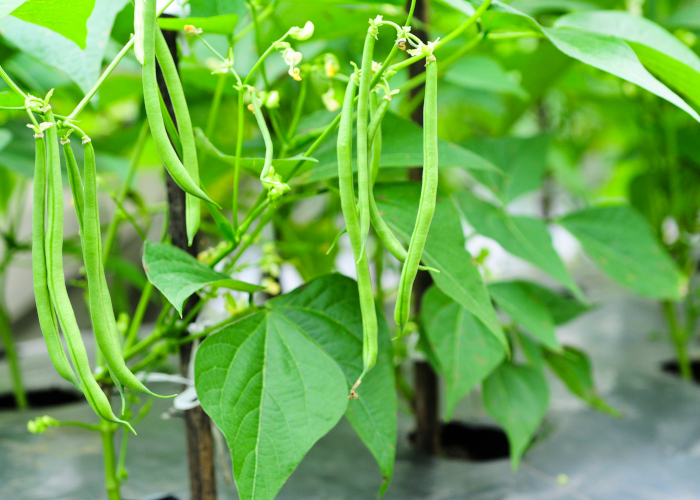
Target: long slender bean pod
x=77 y=189
x=428 y=195
x=56 y=281
x=155 y=117
x=363 y=174
x=75 y=180
x=374 y=140
x=185 y=130
x=44 y=307
x=101 y=311
x=352 y=222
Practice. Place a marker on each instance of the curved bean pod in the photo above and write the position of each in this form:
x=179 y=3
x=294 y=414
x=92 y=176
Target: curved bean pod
x=428 y=196
x=363 y=173
x=193 y=206
x=44 y=307
x=352 y=222
x=101 y=311
x=155 y=117
x=57 y=286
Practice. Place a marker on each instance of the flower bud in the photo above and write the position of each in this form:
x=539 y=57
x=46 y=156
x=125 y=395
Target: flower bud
x=302 y=33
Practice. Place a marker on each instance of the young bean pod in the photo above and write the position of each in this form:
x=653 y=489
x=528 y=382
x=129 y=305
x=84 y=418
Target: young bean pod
x=101 y=311
x=56 y=281
x=193 y=206
x=374 y=138
x=352 y=222
x=75 y=180
x=155 y=117
x=363 y=173
x=428 y=197
x=44 y=307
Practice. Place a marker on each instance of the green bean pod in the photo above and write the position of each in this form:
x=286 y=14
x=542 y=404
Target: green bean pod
x=75 y=180
x=44 y=307
x=101 y=311
x=77 y=189
x=374 y=138
x=266 y=136
x=57 y=286
x=193 y=206
x=374 y=133
x=352 y=222
x=428 y=196
x=363 y=173
x=155 y=117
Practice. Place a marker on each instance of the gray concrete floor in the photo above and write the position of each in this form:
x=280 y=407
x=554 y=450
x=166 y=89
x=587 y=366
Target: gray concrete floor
x=653 y=453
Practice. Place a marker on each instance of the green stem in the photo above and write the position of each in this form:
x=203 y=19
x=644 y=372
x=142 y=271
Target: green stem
x=679 y=338
x=12 y=84
x=216 y=105
x=12 y=357
x=81 y=105
x=263 y=15
x=239 y=151
x=111 y=481
x=451 y=36
x=135 y=324
x=298 y=109
x=82 y=425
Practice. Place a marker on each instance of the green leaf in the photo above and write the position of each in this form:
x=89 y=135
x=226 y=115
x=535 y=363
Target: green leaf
x=327 y=309
x=7 y=6
x=574 y=369
x=517 y=397
x=222 y=223
x=526 y=310
x=537 y=7
x=623 y=245
x=686 y=16
x=82 y=66
x=467 y=351
x=524 y=237
x=126 y=270
x=222 y=25
x=562 y=309
x=66 y=17
x=607 y=53
x=178 y=275
x=657 y=49
x=207 y=8
x=532 y=350
x=252 y=166
x=483 y=73
x=8 y=181
x=523 y=160
x=614 y=56
x=273 y=392
x=402 y=146
x=445 y=250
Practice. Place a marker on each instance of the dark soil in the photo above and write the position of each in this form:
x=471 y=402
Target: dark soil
x=471 y=442
x=43 y=398
x=673 y=368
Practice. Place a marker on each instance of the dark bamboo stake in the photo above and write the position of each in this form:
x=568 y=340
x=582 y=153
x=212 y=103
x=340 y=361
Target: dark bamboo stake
x=200 y=445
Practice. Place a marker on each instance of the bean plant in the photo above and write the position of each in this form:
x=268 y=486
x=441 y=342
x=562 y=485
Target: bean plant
x=318 y=121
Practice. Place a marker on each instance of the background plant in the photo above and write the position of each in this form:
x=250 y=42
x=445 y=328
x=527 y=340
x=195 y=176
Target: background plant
x=518 y=114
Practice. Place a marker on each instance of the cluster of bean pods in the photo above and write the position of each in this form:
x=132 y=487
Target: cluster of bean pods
x=360 y=212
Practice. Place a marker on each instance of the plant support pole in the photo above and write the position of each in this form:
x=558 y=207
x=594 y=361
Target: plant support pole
x=200 y=445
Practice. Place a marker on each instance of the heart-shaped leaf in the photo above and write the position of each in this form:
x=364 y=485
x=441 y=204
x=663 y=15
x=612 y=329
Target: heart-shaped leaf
x=328 y=310
x=623 y=245
x=178 y=275
x=273 y=392
x=524 y=237
x=445 y=250
x=466 y=350
x=66 y=17
x=517 y=397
